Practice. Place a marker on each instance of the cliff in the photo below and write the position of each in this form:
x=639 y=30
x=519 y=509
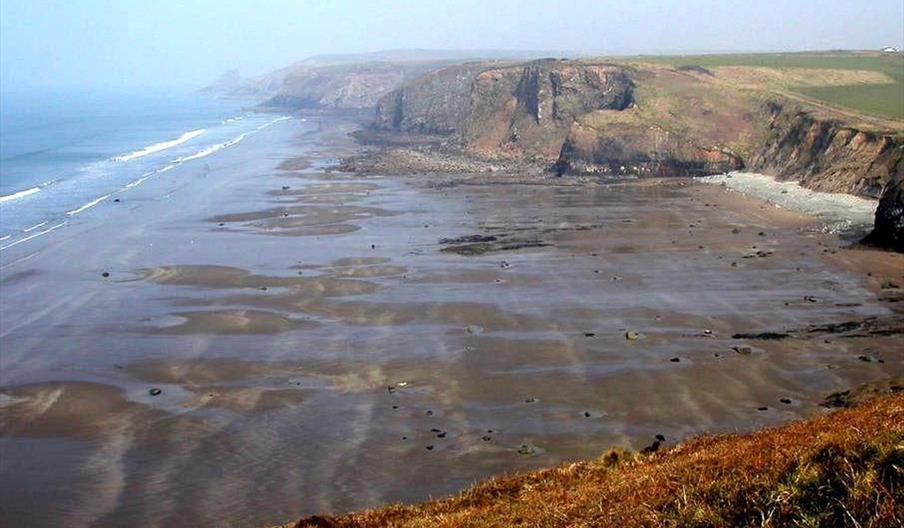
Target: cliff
x=827 y=155
x=505 y=110
x=650 y=120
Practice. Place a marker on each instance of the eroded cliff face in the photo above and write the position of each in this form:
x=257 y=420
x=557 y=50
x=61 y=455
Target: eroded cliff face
x=826 y=155
x=506 y=110
x=652 y=151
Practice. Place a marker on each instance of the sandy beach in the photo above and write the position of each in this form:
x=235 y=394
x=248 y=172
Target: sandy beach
x=258 y=337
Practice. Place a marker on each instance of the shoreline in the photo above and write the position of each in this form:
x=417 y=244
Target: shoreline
x=842 y=213
x=329 y=322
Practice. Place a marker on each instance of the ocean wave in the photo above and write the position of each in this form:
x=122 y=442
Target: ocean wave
x=88 y=205
x=32 y=228
x=19 y=194
x=163 y=145
x=220 y=146
x=39 y=233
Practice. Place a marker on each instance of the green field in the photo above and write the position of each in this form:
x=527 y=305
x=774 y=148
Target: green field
x=882 y=100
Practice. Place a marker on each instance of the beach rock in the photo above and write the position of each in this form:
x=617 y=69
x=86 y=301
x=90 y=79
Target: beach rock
x=652 y=448
x=766 y=336
x=744 y=350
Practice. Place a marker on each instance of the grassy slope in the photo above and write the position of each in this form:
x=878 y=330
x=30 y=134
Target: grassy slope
x=841 y=469
x=882 y=100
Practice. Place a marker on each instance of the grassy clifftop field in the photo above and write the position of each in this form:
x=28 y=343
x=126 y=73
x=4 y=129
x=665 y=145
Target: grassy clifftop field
x=868 y=82
x=841 y=469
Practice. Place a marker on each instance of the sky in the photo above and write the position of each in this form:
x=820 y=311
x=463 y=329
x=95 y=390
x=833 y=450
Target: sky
x=94 y=44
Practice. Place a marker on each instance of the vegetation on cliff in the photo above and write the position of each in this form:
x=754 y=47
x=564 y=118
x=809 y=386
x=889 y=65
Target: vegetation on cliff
x=841 y=469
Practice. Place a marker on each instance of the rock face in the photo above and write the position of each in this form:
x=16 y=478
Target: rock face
x=826 y=155
x=649 y=152
x=888 y=230
x=505 y=110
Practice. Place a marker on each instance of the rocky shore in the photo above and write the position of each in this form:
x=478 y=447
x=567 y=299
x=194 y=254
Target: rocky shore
x=600 y=119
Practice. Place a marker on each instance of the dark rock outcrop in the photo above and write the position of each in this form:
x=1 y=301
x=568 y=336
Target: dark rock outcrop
x=888 y=230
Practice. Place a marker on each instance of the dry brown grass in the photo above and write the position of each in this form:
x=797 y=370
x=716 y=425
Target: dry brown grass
x=841 y=469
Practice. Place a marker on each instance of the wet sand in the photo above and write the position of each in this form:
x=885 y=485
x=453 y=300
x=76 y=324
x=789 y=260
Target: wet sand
x=402 y=337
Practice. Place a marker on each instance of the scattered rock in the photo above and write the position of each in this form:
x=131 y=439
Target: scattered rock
x=765 y=336
x=660 y=437
x=675 y=360
x=652 y=448
x=285 y=187
x=589 y=334
x=631 y=335
x=105 y=274
x=786 y=401
x=155 y=392
x=525 y=449
x=762 y=408
x=429 y=447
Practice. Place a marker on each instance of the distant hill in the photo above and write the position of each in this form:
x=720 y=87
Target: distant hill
x=354 y=80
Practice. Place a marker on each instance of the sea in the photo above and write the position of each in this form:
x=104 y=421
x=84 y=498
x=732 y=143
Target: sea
x=62 y=154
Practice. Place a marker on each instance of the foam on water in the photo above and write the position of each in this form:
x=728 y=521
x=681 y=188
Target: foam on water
x=19 y=194
x=163 y=145
x=25 y=234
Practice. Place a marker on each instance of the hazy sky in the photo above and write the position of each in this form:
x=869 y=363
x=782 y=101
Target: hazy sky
x=126 y=43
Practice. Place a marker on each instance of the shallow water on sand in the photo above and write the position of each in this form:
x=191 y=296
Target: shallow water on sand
x=317 y=350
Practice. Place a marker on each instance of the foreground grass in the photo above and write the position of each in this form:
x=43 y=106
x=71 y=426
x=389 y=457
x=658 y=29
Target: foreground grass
x=882 y=100
x=841 y=469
